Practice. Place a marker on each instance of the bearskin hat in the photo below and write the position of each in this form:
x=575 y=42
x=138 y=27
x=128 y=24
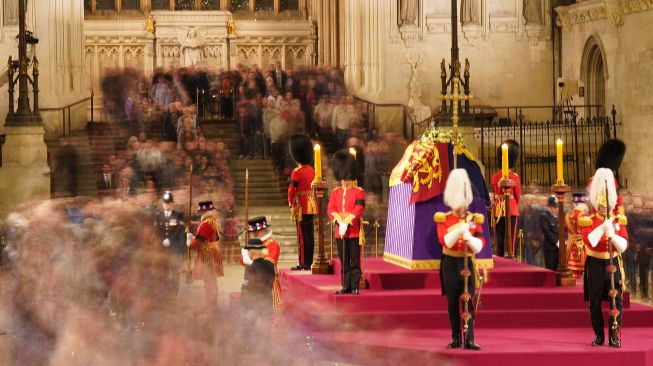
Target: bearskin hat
x=611 y=154
x=344 y=165
x=301 y=149
x=513 y=153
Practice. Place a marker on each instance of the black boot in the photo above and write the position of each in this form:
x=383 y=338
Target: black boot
x=598 y=340
x=614 y=341
x=343 y=291
x=455 y=343
x=469 y=344
x=298 y=267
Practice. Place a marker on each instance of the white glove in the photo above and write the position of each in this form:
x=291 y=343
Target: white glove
x=620 y=243
x=467 y=235
x=558 y=243
x=452 y=237
x=246 y=259
x=607 y=225
x=189 y=239
x=475 y=244
x=166 y=242
x=595 y=236
x=342 y=229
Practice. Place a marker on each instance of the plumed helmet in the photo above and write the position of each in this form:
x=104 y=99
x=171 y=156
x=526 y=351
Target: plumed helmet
x=301 y=149
x=611 y=154
x=598 y=195
x=513 y=153
x=344 y=165
x=458 y=191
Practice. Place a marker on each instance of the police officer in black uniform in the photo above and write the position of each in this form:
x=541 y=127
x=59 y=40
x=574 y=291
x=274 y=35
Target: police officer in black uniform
x=171 y=228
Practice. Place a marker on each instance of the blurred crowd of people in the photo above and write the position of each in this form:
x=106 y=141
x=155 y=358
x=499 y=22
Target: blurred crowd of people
x=267 y=107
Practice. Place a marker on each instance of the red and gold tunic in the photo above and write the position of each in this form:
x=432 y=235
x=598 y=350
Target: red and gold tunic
x=575 y=245
x=449 y=221
x=590 y=222
x=499 y=209
x=346 y=205
x=274 y=250
x=300 y=193
x=208 y=261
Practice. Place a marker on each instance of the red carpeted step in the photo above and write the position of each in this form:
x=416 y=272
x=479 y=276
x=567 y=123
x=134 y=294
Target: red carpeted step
x=321 y=318
x=385 y=276
x=532 y=347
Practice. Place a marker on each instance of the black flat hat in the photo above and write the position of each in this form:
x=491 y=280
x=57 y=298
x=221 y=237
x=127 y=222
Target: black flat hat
x=254 y=244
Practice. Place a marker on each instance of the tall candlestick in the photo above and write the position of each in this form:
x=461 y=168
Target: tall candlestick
x=318 y=162
x=561 y=180
x=504 y=160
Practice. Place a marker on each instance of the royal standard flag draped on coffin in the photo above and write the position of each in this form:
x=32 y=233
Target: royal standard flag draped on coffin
x=416 y=186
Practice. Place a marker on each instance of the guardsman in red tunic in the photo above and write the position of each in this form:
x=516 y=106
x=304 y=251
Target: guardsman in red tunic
x=601 y=229
x=499 y=209
x=208 y=263
x=258 y=229
x=461 y=234
x=345 y=210
x=302 y=199
x=575 y=244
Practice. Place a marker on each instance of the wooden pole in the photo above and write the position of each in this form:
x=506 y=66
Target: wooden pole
x=321 y=265
x=246 y=203
x=564 y=277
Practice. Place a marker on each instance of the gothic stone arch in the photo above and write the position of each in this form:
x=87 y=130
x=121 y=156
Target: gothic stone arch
x=594 y=73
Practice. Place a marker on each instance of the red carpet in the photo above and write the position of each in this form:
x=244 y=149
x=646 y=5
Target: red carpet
x=523 y=319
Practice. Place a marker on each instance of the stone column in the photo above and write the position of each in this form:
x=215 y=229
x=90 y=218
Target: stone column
x=149 y=58
x=24 y=174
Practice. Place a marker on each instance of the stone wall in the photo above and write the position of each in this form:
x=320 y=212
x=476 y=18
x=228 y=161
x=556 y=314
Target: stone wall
x=624 y=35
x=58 y=24
x=511 y=62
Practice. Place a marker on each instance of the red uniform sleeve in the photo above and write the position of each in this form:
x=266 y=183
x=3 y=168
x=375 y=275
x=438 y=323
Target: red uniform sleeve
x=442 y=230
x=204 y=235
x=292 y=187
x=359 y=204
x=586 y=230
x=517 y=191
x=274 y=250
x=331 y=207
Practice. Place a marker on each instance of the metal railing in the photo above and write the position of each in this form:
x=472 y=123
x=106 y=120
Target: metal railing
x=372 y=116
x=537 y=139
x=66 y=112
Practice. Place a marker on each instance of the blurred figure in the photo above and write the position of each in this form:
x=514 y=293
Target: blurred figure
x=549 y=224
x=66 y=168
x=106 y=181
x=171 y=228
x=575 y=246
x=208 y=264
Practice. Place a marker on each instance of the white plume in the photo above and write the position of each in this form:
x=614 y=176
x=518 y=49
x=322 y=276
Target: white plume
x=599 y=180
x=458 y=192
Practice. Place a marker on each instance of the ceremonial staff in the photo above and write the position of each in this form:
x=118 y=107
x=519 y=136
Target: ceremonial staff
x=246 y=203
x=189 y=277
x=466 y=273
x=613 y=293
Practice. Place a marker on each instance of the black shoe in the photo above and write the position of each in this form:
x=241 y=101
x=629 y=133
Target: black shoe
x=455 y=343
x=598 y=341
x=471 y=345
x=343 y=291
x=307 y=267
x=615 y=342
x=355 y=291
x=298 y=267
